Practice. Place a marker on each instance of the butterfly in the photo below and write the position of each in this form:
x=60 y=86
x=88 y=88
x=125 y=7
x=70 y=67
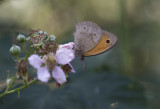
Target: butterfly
x=90 y=39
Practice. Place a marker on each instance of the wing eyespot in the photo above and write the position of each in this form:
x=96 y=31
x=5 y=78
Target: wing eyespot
x=108 y=41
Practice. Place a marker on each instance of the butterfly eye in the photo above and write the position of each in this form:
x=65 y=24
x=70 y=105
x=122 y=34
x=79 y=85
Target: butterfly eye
x=107 y=41
x=84 y=27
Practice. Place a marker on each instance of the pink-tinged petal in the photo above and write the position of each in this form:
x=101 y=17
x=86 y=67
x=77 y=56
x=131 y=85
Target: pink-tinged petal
x=35 y=61
x=68 y=45
x=72 y=70
x=43 y=74
x=64 y=56
x=59 y=75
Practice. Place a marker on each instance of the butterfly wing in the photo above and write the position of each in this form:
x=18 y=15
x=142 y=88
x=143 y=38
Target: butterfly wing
x=107 y=41
x=86 y=36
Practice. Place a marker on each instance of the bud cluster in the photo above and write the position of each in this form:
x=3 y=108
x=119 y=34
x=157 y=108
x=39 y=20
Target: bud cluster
x=44 y=54
x=38 y=41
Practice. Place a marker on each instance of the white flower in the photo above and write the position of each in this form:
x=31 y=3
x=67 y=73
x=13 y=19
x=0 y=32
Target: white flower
x=63 y=56
x=69 y=45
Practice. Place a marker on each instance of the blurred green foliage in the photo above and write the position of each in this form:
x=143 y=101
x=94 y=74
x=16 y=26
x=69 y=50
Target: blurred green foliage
x=136 y=56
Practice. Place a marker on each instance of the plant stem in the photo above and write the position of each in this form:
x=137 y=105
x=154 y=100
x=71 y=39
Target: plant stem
x=18 y=89
x=24 y=82
x=24 y=48
x=124 y=39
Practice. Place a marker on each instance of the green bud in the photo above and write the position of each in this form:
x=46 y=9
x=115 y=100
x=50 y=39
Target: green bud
x=28 y=38
x=21 y=38
x=51 y=38
x=9 y=81
x=45 y=33
x=15 y=50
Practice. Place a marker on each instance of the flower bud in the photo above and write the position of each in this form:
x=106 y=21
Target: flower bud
x=9 y=81
x=15 y=50
x=21 y=38
x=28 y=38
x=43 y=32
x=51 y=38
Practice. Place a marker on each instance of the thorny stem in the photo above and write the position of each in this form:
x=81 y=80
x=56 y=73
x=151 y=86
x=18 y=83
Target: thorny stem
x=18 y=89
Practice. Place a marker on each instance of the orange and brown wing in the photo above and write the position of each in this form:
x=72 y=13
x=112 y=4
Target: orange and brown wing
x=107 y=41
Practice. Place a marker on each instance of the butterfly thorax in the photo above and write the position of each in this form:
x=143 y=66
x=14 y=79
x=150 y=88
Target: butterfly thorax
x=79 y=52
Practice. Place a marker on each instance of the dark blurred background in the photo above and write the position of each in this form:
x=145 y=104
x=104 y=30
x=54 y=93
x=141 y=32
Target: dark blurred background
x=126 y=77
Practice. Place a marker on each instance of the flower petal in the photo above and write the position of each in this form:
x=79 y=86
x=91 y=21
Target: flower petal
x=72 y=70
x=43 y=74
x=59 y=75
x=64 y=56
x=35 y=61
x=68 y=45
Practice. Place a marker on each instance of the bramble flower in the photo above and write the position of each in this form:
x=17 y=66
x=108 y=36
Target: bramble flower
x=68 y=45
x=63 y=56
